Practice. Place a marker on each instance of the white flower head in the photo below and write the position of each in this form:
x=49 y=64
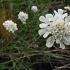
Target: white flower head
x=10 y=26
x=56 y=28
x=34 y=8
x=23 y=17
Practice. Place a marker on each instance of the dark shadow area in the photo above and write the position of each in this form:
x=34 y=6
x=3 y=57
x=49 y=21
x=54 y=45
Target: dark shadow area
x=42 y=66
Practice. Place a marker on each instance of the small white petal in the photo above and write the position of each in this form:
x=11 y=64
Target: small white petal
x=49 y=17
x=50 y=41
x=46 y=34
x=67 y=19
x=65 y=15
x=65 y=40
x=62 y=45
x=42 y=25
x=42 y=19
x=41 y=31
x=60 y=11
x=67 y=8
x=55 y=12
x=56 y=15
x=57 y=40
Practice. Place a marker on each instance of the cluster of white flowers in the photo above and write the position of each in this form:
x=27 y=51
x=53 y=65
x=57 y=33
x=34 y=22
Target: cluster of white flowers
x=34 y=8
x=10 y=26
x=23 y=17
x=56 y=28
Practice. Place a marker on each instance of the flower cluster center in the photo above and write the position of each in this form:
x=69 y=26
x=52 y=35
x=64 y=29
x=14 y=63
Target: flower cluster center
x=58 y=29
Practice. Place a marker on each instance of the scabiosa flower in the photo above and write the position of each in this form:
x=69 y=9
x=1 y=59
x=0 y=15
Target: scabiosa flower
x=23 y=17
x=10 y=26
x=56 y=28
x=34 y=8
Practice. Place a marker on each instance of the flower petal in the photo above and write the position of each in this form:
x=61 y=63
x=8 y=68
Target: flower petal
x=41 y=31
x=65 y=15
x=67 y=8
x=50 y=41
x=68 y=38
x=42 y=25
x=42 y=19
x=46 y=34
x=55 y=12
x=62 y=45
x=60 y=11
x=56 y=15
x=67 y=19
x=49 y=17
x=57 y=40
x=65 y=40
